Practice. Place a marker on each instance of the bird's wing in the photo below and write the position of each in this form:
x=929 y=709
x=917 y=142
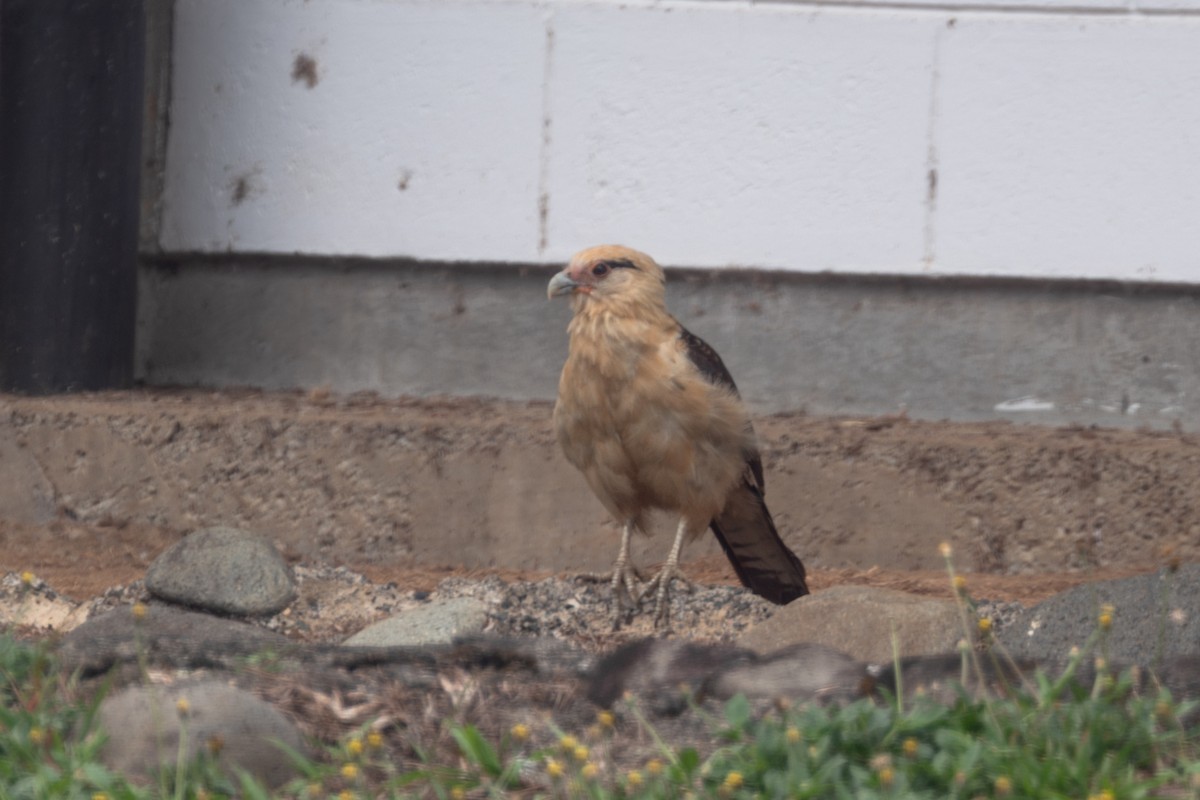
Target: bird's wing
x=705 y=359
x=744 y=527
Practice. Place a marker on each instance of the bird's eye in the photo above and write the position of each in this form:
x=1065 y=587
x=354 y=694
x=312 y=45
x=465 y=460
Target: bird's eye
x=600 y=269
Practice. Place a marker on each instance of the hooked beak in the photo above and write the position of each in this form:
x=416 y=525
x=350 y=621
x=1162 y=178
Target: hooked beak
x=561 y=284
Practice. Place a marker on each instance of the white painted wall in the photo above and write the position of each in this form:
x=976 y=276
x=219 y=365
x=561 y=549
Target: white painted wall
x=789 y=135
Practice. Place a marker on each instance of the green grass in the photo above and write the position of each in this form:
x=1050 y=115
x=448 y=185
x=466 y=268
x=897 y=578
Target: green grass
x=1055 y=739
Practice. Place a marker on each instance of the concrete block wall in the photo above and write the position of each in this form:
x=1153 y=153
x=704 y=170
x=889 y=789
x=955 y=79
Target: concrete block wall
x=1007 y=138
x=370 y=194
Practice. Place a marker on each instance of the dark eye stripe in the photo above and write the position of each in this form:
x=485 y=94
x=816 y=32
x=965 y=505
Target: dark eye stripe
x=621 y=263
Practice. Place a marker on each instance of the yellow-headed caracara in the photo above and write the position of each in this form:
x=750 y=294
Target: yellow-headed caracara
x=651 y=417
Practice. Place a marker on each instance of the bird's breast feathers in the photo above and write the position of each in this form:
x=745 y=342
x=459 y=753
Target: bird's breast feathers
x=631 y=403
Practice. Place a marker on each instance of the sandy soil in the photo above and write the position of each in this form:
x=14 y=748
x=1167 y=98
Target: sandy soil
x=93 y=487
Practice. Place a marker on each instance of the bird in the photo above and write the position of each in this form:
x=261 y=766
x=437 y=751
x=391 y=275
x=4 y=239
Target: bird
x=650 y=415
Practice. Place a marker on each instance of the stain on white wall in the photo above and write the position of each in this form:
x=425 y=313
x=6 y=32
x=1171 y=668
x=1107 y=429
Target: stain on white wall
x=1020 y=138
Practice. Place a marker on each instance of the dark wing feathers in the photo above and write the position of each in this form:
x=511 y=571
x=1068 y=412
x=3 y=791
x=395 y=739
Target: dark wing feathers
x=705 y=358
x=744 y=527
x=701 y=354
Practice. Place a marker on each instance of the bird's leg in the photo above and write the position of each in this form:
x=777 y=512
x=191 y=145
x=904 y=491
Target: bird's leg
x=660 y=584
x=624 y=578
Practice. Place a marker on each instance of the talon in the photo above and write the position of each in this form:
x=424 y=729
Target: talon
x=660 y=584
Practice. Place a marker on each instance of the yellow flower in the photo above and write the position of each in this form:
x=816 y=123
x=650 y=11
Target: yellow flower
x=945 y=549
x=349 y=771
x=606 y=719
x=634 y=778
x=183 y=706
x=793 y=735
x=345 y=794
x=581 y=753
x=985 y=625
x=553 y=768
x=355 y=746
x=1104 y=795
x=28 y=578
x=313 y=789
x=910 y=747
x=37 y=735
x=99 y=796
x=654 y=766
x=733 y=780
x=960 y=584
x=1106 y=617
x=589 y=770
x=374 y=740
x=886 y=776
x=1003 y=785
x=520 y=731
x=458 y=792
x=568 y=742
x=139 y=610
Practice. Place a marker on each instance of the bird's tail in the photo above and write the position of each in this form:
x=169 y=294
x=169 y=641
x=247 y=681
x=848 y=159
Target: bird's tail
x=762 y=561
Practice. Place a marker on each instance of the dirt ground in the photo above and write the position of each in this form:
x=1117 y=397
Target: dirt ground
x=93 y=487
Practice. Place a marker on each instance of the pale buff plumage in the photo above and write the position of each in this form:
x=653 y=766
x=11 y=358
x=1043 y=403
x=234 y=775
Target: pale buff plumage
x=638 y=418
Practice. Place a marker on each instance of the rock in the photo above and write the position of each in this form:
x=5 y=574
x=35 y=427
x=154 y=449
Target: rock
x=942 y=677
x=1155 y=616
x=165 y=636
x=223 y=570
x=1181 y=676
x=436 y=623
x=144 y=725
x=664 y=674
x=800 y=672
x=37 y=606
x=859 y=620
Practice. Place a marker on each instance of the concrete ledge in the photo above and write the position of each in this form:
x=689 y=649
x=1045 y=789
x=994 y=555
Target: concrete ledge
x=1105 y=353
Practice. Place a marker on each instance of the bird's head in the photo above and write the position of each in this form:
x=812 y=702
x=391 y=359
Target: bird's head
x=607 y=274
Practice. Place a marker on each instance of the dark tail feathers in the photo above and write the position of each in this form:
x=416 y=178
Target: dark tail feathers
x=762 y=561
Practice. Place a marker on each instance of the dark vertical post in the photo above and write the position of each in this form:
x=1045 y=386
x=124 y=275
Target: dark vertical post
x=70 y=150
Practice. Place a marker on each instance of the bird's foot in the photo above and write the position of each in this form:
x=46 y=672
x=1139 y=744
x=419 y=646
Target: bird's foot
x=660 y=585
x=626 y=588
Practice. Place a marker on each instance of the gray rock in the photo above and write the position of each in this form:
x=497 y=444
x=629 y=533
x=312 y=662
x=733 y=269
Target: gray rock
x=941 y=677
x=800 y=672
x=664 y=674
x=440 y=622
x=144 y=726
x=164 y=636
x=223 y=570
x=1181 y=676
x=859 y=620
x=1155 y=617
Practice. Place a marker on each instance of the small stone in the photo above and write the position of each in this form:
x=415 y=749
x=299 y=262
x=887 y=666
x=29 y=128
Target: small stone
x=436 y=623
x=223 y=570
